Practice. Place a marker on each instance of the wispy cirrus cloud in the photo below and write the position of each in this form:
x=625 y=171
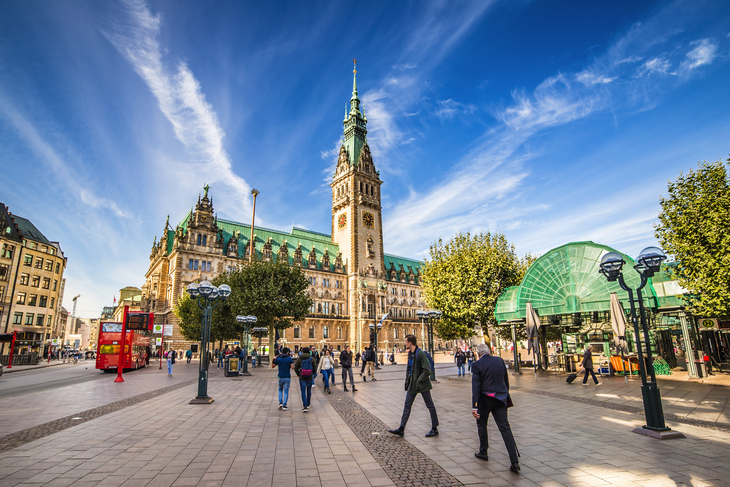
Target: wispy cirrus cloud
x=491 y=183
x=703 y=53
x=447 y=109
x=134 y=32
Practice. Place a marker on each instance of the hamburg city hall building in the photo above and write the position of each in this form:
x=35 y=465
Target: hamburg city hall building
x=353 y=282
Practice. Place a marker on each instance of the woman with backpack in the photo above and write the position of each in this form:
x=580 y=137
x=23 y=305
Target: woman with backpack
x=327 y=369
x=170 y=361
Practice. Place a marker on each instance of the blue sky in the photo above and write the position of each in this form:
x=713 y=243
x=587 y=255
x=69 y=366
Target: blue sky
x=549 y=121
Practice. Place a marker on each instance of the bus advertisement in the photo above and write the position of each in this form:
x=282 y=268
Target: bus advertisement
x=136 y=347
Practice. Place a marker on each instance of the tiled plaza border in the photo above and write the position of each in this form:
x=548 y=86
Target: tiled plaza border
x=629 y=409
x=19 y=438
x=405 y=464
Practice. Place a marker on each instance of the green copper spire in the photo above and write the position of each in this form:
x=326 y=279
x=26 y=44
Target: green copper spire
x=355 y=124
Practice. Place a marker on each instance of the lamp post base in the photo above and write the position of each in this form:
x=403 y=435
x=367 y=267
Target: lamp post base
x=667 y=434
x=202 y=400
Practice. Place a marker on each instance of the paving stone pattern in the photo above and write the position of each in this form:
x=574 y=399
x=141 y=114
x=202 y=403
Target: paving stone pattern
x=405 y=464
x=628 y=409
x=14 y=440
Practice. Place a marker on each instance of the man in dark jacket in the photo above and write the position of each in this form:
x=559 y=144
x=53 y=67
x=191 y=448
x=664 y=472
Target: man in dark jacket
x=460 y=359
x=306 y=377
x=418 y=381
x=346 y=363
x=587 y=364
x=490 y=394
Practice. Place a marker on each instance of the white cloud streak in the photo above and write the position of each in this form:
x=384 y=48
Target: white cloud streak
x=703 y=53
x=134 y=33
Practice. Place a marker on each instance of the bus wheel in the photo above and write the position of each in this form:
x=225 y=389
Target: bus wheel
x=107 y=371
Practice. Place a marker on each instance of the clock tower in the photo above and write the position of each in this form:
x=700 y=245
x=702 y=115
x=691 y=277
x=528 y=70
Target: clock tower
x=357 y=224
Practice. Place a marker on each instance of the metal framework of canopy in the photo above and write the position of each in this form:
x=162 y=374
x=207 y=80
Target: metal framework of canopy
x=566 y=281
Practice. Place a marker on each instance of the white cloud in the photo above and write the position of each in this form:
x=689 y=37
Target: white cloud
x=655 y=65
x=588 y=78
x=704 y=53
x=630 y=59
x=446 y=109
x=134 y=33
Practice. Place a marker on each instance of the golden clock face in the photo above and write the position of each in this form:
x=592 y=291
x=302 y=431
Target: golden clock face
x=368 y=219
x=342 y=220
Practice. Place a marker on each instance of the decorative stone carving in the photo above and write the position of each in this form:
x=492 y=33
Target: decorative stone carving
x=370 y=247
x=266 y=251
x=298 y=255
x=283 y=255
x=312 y=259
x=326 y=260
x=338 y=262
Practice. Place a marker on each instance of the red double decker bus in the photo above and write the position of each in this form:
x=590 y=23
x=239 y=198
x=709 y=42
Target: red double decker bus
x=136 y=347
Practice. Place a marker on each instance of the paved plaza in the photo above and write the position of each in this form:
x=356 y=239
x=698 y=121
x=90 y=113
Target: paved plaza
x=144 y=432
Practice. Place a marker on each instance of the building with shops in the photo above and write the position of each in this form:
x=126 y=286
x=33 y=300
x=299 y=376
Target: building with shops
x=568 y=293
x=353 y=282
x=31 y=278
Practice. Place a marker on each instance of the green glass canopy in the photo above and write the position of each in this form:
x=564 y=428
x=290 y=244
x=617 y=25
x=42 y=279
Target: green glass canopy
x=565 y=281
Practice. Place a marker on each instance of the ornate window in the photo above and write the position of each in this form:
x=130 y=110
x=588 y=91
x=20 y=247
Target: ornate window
x=325 y=332
x=297 y=332
x=395 y=333
x=339 y=333
x=298 y=255
x=311 y=331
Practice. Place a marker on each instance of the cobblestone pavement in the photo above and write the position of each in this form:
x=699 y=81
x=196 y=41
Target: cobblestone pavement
x=404 y=464
x=243 y=439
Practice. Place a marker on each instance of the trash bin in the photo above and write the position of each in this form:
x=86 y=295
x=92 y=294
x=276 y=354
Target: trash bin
x=231 y=366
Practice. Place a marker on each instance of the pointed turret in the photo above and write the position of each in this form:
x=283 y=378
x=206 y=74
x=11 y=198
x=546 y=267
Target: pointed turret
x=355 y=125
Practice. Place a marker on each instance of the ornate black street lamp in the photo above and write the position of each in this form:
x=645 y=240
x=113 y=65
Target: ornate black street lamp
x=428 y=317
x=376 y=329
x=207 y=297
x=648 y=263
x=248 y=322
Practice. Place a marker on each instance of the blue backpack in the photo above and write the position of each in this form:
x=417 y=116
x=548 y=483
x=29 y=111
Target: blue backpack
x=306 y=371
x=430 y=359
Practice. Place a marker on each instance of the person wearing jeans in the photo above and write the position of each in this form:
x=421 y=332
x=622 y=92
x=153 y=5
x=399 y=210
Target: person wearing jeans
x=283 y=361
x=346 y=363
x=327 y=368
x=305 y=383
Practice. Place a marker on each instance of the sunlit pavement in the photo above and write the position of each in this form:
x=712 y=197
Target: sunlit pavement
x=243 y=439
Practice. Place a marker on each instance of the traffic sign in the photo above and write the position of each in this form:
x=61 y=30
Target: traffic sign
x=157 y=329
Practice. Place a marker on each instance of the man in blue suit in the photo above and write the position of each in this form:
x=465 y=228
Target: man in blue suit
x=490 y=394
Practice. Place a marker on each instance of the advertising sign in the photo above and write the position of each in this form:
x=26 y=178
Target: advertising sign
x=157 y=329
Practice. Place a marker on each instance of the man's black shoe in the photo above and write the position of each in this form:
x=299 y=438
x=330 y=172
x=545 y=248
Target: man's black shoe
x=353 y=389
x=374 y=378
x=365 y=379
x=481 y=456
x=396 y=432
x=433 y=432
x=346 y=389
x=515 y=467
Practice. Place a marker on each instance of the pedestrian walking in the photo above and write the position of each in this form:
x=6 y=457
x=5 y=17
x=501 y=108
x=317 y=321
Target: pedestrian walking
x=469 y=359
x=306 y=371
x=490 y=394
x=189 y=355
x=284 y=362
x=587 y=364
x=170 y=361
x=346 y=363
x=369 y=359
x=254 y=354
x=326 y=368
x=357 y=360
x=460 y=359
x=418 y=381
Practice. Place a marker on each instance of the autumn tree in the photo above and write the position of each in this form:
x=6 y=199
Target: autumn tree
x=694 y=229
x=463 y=278
x=223 y=322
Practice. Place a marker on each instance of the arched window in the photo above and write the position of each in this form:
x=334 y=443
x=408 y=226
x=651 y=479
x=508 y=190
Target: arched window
x=325 y=332
x=395 y=333
x=205 y=238
x=339 y=333
x=311 y=331
x=200 y=237
x=297 y=332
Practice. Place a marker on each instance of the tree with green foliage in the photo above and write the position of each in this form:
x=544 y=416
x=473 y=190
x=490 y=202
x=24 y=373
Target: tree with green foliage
x=694 y=229
x=223 y=321
x=274 y=292
x=464 y=277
